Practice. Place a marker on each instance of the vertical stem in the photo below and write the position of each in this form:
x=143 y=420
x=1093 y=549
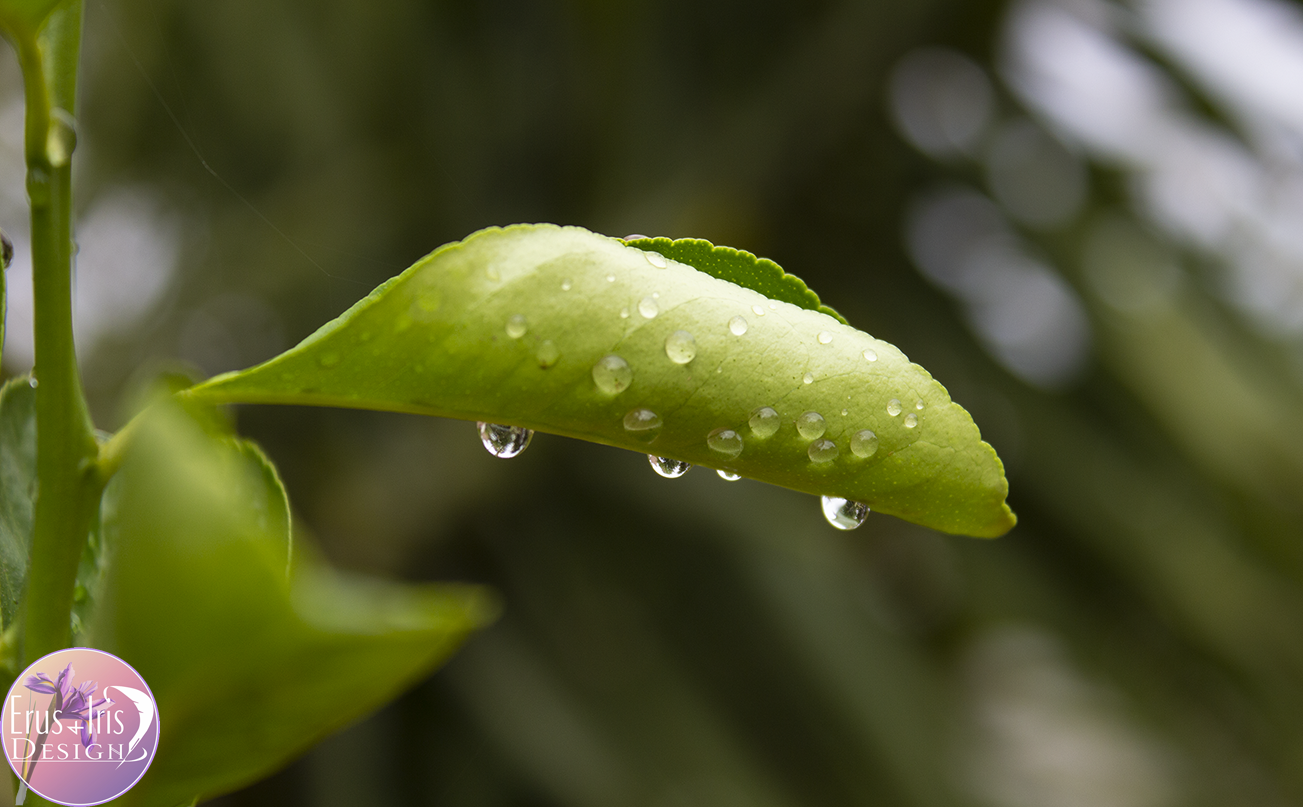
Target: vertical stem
x=68 y=487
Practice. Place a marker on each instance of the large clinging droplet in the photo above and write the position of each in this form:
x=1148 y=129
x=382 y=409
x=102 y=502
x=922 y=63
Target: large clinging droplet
x=504 y=442
x=911 y=420
x=60 y=138
x=864 y=444
x=737 y=326
x=764 y=422
x=823 y=451
x=725 y=441
x=729 y=476
x=811 y=425
x=648 y=308
x=680 y=347
x=668 y=468
x=612 y=374
x=516 y=326
x=893 y=407
x=655 y=259
x=844 y=514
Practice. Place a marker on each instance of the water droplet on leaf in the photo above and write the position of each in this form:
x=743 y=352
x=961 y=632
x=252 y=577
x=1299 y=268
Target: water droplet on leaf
x=566 y=284
x=680 y=347
x=548 y=353
x=893 y=407
x=811 y=425
x=737 y=326
x=612 y=374
x=844 y=514
x=808 y=378
x=911 y=420
x=824 y=337
x=516 y=326
x=725 y=441
x=656 y=259
x=823 y=451
x=642 y=420
x=757 y=310
x=871 y=355
x=648 y=308
x=864 y=444
x=729 y=476
x=504 y=442
x=765 y=422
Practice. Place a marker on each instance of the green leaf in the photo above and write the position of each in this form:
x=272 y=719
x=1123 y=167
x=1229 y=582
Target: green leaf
x=509 y=325
x=249 y=665
x=17 y=490
x=739 y=267
x=24 y=18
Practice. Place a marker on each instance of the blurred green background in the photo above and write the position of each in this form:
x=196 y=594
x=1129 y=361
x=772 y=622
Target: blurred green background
x=1084 y=218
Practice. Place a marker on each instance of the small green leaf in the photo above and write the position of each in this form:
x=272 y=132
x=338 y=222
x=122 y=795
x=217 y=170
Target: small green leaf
x=17 y=490
x=564 y=331
x=739 y=267
x=250 y=666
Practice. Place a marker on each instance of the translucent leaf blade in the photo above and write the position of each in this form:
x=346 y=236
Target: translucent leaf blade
x=508 y=325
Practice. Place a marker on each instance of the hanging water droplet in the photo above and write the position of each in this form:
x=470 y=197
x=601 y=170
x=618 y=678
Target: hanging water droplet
x=610 y=278
x=656 y=259
x=808 y=378
x=60 y=138
x=811 y=425
x=33 y=383
x=566 y=284
x=635 y=237
x=822 y=451
x=668 y=468
x=757 y=310
x=612 y=374
x=729 y=476
x=871 y=355
x=893 y=407
x=844 y=514
x=737 y=325
x=648 y=308
x=911 y=420
x=548 y=353
x=504 y=442
x=624 y=313
x=516 y=326
x=643 y=423
x=725 y=441
x=765 y=422
x=824 y=337
x=680 y=347
x=918 y=405
x=864 y=444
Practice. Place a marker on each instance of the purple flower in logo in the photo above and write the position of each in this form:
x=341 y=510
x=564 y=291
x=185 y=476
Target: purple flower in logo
x=73 y=703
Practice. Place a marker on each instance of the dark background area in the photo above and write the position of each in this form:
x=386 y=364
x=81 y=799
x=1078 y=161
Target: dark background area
x=1136 y=641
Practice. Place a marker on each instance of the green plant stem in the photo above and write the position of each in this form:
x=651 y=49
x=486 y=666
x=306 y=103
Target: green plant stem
x=68 y=483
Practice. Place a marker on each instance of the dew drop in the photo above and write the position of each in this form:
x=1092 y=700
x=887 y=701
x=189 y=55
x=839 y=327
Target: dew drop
x=823 y=451
x=680 y=347
x=610 y=278
x=33 y=383
x=765 y=422
x=773 y=306
x=547 y=354
x=911 y=420
x=871 y=355
x=729 y=476
x=811 y=425
x=567 y=284
x=844 y=514
x=918 y=405
x=516 y=326
x=864 y=444
x=893 y=407
x=612 y=374
x=656 y=259
x=648 y=308
x=845 y=412
x=737 y=325
x=808 y=378
x=624 y=313
x=668 y=468
x=824 y=337
x=757 y=310
x=635 y=237
x=504 y=442
x=642 y=420
x=725 y=441
x=60 y=138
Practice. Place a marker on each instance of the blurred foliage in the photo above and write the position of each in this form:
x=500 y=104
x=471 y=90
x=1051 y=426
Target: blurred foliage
x=1134 y=641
